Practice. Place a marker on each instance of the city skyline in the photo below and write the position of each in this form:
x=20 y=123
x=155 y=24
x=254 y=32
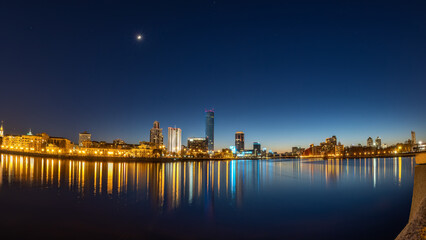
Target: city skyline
x=215 y=119
x=287 y=76
x=375 y=141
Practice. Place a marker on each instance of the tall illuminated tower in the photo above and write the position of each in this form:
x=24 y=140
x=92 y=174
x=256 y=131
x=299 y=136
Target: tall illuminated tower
x=175 y=140
x=210 y=129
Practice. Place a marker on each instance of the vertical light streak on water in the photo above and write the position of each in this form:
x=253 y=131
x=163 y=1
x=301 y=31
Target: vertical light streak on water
x=162 y=183
x=365 y=167
x=69 y=175
x=173 y=183
x=119 y=180
x=126 y=176
x=177 y=184
x=59 y=173
x=399 y=170
x=148 y=168
x=395 y=167
x=1 y=170
x=213 y=173
x=42 y=170
x=227 y=177
x=326 y=174
x=109 y=177
x=199 y=180
x=374 y=171
x=184 y=181
x=378 y=169
x=218 y=179
x=80 y=180
x=31 y=170
x=232 y=179
x=21 y=167
x=190 y=188
x=207 y=177
x=51 y=171
x=100 y=178
x=10 y=170
x=95 y=181
x=384 y=168
x=47 y=171
x=347 y=166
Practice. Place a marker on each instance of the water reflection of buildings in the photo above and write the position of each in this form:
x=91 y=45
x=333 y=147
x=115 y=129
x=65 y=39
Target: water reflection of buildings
x=374 y=170
x=170 y=185
x=167 y=185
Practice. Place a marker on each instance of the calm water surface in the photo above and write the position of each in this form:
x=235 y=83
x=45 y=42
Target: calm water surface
x=366 y=198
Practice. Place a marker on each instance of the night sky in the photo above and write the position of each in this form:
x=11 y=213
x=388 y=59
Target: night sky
x=287 y=74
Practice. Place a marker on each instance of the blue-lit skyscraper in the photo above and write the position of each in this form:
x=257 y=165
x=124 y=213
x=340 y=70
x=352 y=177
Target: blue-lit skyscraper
x=210 y=129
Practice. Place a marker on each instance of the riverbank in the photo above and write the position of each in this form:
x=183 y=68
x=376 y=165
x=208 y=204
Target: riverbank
x=109 y=159
x=169 y=159
x=410 y=154
x=416 y=227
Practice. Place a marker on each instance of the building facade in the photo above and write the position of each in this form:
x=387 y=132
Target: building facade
x=369 y=142
x=413 y=137
x=156 y=134
x=197 y=144
x=174 y=140
x=378 y=142
x=256 y=148
x=62 y=143
x=239 y=141
x=84 y=137
x=210 y=129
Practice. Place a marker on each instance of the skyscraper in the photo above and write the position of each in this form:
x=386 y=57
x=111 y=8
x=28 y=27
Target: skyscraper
x=156 y=134
x=378 y=142
x=256 y=148
x=369 y=142
x=175 y=140
x=239 y=141
x=210 y=129
x=83 y=137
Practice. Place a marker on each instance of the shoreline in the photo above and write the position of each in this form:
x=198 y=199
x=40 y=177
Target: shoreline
x=178 y=159
x=110 y=159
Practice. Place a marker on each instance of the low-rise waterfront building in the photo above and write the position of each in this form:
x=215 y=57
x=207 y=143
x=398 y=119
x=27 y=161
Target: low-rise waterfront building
x=197 y=144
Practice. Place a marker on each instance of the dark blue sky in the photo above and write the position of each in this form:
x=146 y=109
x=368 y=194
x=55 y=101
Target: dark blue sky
x=287 y=74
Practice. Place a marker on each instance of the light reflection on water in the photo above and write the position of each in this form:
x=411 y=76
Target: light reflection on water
x=177 y=182
x=289 y=188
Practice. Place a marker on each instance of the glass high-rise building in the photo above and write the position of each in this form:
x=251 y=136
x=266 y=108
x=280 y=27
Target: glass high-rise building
x=256 y=148
x=210 y=129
